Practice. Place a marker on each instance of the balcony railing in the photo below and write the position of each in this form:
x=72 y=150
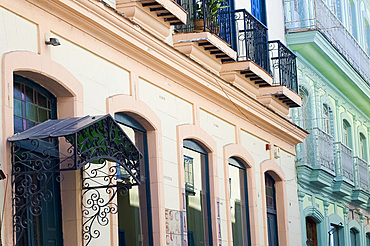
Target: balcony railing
x=317 y=150
x=344 y=161
x=246 y=35
x=316 y=15
x=250 y=39
x=362 y=174
x=203 y=16
x=283 y=65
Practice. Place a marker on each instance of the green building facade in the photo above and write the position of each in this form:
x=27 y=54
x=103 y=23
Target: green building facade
x=331 y=41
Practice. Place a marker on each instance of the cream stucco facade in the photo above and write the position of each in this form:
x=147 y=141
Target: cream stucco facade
x=109 y=63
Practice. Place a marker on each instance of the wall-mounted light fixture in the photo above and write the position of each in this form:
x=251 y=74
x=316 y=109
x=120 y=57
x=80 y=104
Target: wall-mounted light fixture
x=52 y=41
x=2 y=175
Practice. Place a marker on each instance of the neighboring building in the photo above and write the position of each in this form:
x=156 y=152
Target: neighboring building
x=202 y=149
x=331 y=41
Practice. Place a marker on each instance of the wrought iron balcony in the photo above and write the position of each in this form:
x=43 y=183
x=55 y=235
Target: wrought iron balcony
x=249 y=39
x=344 y=161
x=206 y=16
x=362 y=174
x=283 y=65
x=303 y=15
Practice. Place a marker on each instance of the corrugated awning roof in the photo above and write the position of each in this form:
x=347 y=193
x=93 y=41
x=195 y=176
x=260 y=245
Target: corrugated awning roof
x=57 y=128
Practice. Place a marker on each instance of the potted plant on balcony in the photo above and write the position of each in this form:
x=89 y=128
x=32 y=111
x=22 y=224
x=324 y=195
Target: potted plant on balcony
x=210 y=16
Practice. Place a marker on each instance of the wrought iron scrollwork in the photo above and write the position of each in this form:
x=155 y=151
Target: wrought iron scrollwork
x=251 y=42
x=109 y=161
x=35 y=168
x=283 y=65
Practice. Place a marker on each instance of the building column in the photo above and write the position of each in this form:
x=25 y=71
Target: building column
x=301 y=195
x=326 y=223
x=346 y=229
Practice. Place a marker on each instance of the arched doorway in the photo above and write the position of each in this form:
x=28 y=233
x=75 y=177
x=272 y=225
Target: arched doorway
x=311 y=232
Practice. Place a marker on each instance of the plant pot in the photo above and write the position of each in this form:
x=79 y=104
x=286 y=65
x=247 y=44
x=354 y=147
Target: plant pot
x=198 y=25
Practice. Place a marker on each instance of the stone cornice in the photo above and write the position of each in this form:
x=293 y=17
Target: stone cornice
x=320 y=53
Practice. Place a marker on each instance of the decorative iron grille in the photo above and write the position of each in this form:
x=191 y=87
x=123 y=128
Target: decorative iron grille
x=206 y=16
x=38 y=162
x=283 y=65
x=251 y=39
x=362 y=177
x=344 y=161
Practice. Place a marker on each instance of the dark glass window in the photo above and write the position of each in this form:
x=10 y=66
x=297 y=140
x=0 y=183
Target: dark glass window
x=198 y=215
x=134 y=206
x=271 y=210
x=239 y=202
x=33 y=105
x=354 y=237
x=334 y=235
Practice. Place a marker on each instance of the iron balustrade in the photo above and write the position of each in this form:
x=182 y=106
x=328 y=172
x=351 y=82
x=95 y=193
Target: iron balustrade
x=246 y=35
x=344 y=161
x=304 y=15
x=206 y=16
x=320 y=151
x=249 y=39
x=283 y=65
x=362 y=174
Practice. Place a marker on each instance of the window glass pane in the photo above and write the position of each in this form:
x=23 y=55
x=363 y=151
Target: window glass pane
x=29 y=94
x=17 y=90
x=237 y=204
x=18 y=107
x=196 y=201
x=133 y=215
x=42 y=101
x=18 y=124
x=43 y=115
x=31 y=112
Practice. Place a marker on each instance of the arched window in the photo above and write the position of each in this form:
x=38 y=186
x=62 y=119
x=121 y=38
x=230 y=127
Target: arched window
x=353 y=18
x=363 y=147
x=354 y=237
x=335 y=235
x=347 y=134
x=326 y=118
x=198 y=212
x=134 y=207
x=33 y=105
x=239 y=202
x=271 y=210
x=311 y=232
x=304 y=113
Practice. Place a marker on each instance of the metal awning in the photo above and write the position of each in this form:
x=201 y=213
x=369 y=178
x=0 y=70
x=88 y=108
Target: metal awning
x=94 y=138
x=110 y=162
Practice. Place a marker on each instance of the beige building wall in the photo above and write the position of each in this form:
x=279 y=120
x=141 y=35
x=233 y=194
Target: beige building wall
x=174 y=93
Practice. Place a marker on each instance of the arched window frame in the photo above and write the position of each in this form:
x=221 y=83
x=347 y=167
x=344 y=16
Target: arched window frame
x=234 y=161
x=145 y=225
x=29 y=101
x=347 y=133
x=195 y=146
x=363 y=147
